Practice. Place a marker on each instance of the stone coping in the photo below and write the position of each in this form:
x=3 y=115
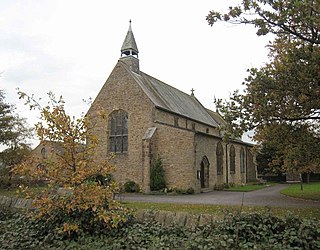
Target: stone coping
x=18 y=203
x=165 y=218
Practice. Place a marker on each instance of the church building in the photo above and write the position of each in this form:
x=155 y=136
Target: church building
x=147 y=118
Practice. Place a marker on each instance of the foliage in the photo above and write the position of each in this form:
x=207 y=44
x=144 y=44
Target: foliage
x=189 y=190
x=281 y=99
x=310 y=191
x=265 y=156
x=297 y=18
x=157 y=175
x=13 y=135
x=235 y=231
x=80 y=193
x=131 y=187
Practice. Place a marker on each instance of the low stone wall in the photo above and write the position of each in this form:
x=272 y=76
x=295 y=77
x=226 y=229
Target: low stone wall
x=17 y=203
x=166 y=218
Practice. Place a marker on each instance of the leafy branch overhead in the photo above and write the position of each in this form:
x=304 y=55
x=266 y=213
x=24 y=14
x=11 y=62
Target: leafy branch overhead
x=297 y=18
x=281 y=100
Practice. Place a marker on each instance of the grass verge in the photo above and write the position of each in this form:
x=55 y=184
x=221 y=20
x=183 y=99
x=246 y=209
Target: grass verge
x=14 y=192
x=249 y=187
x=221 y=210
x=310 y=191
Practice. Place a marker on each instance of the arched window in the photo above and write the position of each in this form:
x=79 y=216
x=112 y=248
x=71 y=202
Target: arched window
x=43 y=153
x=232 y=155
x=219 y=154
x=242 y=161
x=118 y=131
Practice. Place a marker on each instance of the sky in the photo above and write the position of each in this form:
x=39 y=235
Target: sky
x=70 y=47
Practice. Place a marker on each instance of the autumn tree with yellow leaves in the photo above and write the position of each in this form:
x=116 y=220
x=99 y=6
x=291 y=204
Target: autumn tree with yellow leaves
x=80 y=190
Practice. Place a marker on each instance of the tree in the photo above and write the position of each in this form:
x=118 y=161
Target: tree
x=13 y=136
x=80 y=193
x=157 y=175
x=281 y=100
x=298 y=19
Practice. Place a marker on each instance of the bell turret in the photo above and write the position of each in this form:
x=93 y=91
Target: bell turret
x=129 y=51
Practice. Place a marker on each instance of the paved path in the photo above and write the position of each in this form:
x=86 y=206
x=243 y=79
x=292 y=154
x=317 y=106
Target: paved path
x=269 y=196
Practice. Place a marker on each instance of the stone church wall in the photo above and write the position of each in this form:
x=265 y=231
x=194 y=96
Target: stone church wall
x=122 y=92
x=237 y=177
x=183 y=123
x=206 y=146
x=176 y=148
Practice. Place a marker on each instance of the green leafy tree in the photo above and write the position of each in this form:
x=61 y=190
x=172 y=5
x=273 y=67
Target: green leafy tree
x=80 y=193
x=13 y=135
x=157 y=175
x=298 y=19
x=281 y=100
x=13 y=129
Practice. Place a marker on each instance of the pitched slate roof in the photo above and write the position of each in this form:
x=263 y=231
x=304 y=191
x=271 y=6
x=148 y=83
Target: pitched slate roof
x=173 y=100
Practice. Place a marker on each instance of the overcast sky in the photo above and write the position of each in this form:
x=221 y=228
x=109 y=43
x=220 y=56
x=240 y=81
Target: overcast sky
x=71 y=46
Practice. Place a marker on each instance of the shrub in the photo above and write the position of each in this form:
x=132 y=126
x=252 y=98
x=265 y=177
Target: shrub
x=218 y=187
x=157 y=178
x=190 y=190
x=88 y=204
x=236 y=231
x=131 y=187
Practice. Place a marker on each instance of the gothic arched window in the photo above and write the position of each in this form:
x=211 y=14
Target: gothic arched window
x=242 y=161
x=232 y=160
x=118 y=135
x=43 y=153
x=219 y=154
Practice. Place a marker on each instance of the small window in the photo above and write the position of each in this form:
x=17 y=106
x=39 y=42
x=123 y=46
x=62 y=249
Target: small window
x=207 y=131
x=118 y=135
x=242 y=160
x=176 y=121
x=232 y=160
x=219 y=154
x=193 y=126
x=43 y=153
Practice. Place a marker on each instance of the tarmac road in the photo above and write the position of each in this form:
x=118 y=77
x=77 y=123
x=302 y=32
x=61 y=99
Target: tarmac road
x=269 y=196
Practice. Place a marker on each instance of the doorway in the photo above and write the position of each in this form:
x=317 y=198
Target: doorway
x=204 y=172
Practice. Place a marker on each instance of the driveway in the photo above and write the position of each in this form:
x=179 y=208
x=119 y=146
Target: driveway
x=269 y=196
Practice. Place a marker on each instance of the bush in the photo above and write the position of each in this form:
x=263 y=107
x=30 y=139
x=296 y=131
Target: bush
x=157 y=178
x=184 y=191
x=131 y=187
x=219 y=187
x=88 y=205
x=236 y=231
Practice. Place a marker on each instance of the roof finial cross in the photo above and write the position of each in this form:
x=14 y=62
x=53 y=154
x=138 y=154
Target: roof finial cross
x=192 y=90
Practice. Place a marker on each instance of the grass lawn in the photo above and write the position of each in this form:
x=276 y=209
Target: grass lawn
x=14 y=192
x=245 y=188
x=248 y=187
x=310 y=191
x=221 y=210
x=8 y=193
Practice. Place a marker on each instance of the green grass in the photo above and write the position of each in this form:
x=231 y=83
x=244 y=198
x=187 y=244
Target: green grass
x=8 y=193
x=14 y=192
x=219 y=211
x=248 y=187
x=310 y=191
x=245 y=188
